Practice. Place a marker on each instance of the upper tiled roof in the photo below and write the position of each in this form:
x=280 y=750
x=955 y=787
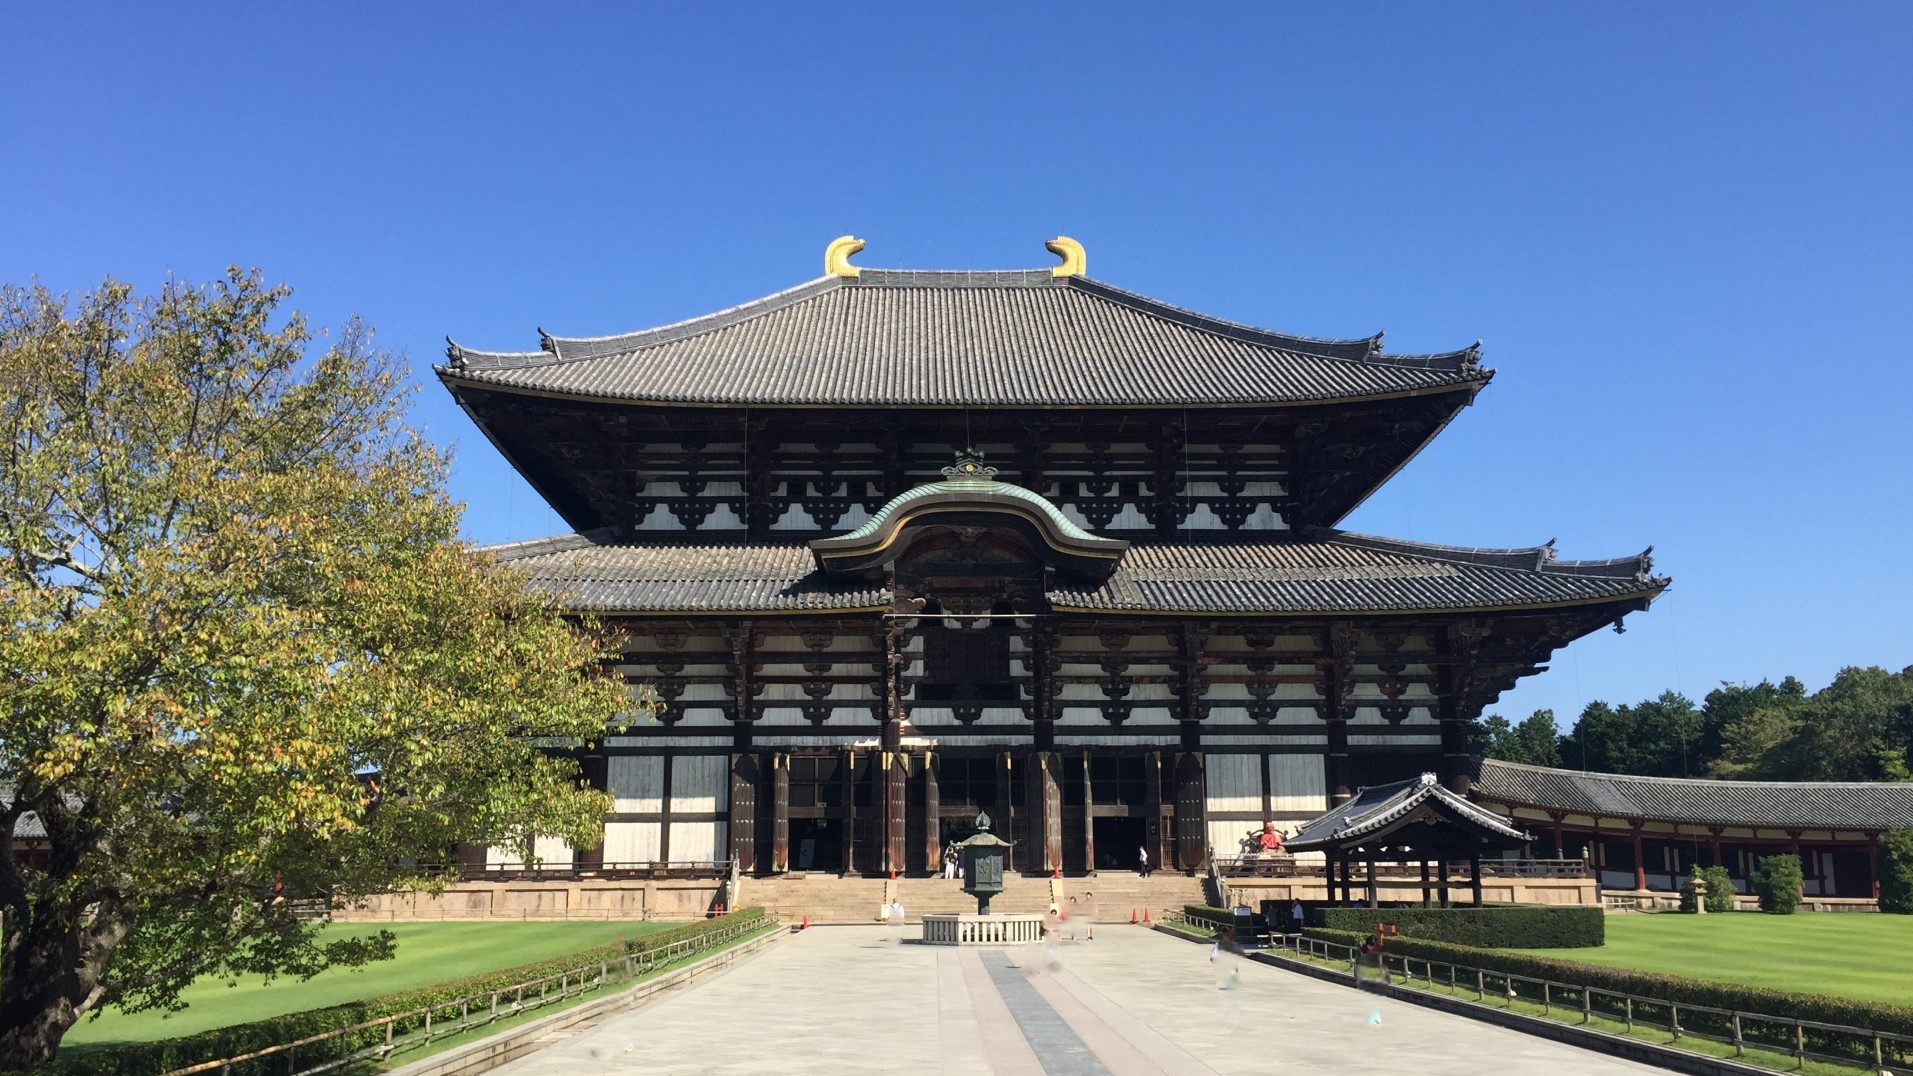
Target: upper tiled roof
x=931 y=339
x=1768 y=804
x=1332 y=571
x=1372 y=810
x=1323 y=572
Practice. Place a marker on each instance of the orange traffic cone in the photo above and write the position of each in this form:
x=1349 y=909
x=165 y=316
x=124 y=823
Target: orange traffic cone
x=806 y=925
x=1145 y=915
x=1132 y=917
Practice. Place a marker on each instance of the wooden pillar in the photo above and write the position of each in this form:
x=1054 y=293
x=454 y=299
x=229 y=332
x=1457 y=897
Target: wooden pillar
x=847 y=776
x=1042 y=803
x=1640 y=859
x=1560 y=847
x=1474 y=872
x=1192 y=806
x=895 y=776
x=1442 y=868
x=745 y=777
x=1334 y=673
x=780 y=812
x=1374 y=893
x=1713 y=847
x=1460 y=643
x=1005 y=817
x=1873 y=866
x=1424 y=883
x=1152 y=825
x=595 y=769
x=932 y=816
x=1089 y=817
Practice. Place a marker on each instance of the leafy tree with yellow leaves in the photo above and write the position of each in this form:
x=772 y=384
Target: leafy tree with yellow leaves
x=243 y=656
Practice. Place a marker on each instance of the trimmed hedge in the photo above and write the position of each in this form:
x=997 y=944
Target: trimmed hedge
x=1776 y=881
x=1508 y=926
x=1720 y=889
x=1207 y=913
x=150 y=1058
x=1846 y=1012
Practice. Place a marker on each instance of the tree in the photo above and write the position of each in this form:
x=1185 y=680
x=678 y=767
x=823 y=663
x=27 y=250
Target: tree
x=244 y=657
x=1776 y=882
x=1741 y=726
x=1896 y=871
x=1655 y=738
x=1535 y=740
x=1858 y=728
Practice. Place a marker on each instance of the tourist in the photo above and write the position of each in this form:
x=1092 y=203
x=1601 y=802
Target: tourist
x=1142 y=861
x=1295 y=917
x=1089 y=917
x=950 y=862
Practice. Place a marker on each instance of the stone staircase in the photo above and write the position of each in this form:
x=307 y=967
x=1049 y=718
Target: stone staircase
x=835 y=899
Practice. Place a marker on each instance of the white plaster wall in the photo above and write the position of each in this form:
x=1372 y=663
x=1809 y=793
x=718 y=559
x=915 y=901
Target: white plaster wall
x=1235 y=782
x=636 y=782
x=1298 y=783
x=551 y=852
x=694 y=841
x=631 y=842
x=700 y=784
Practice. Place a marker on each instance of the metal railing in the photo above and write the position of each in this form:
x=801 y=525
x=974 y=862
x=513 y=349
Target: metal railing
x=381 y=1039
x=1802 y=1040
x=1282 y=865
x=698 y=870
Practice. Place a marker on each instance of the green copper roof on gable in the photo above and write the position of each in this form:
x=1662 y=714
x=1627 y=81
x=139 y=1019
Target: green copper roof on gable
x=988 y=486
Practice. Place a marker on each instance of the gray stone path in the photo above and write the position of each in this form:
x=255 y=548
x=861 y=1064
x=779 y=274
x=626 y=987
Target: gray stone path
x=1130 y=1003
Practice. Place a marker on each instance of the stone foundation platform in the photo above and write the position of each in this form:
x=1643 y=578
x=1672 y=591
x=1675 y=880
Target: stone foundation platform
x=1012 y=928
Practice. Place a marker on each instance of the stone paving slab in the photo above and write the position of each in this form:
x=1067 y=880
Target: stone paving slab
x=1132 y=1002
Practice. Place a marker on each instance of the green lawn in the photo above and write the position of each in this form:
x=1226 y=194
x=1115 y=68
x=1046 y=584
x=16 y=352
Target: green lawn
x=428 y=953
x=1845 y=954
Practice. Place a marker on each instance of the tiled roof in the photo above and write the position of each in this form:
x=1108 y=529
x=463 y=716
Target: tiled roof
x=1373 y=809
x=1335 y=571
x=1768 y=804
x=1323 y=572
x=595 y=578
x=929 y=339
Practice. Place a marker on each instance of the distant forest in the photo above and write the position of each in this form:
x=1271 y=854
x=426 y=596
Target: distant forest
x=1858 y=728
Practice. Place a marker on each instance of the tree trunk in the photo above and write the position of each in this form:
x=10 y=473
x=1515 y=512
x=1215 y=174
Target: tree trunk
x=52 y=978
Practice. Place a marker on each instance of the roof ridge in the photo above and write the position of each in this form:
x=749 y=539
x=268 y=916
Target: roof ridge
x=1461 y=360
x=551 y=543
x=687 y=328
x=1540 y=558
x=1726 y=782
x=553 y=349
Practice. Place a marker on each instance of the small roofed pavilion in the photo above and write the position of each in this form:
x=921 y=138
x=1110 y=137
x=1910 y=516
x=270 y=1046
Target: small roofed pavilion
x=1414 y=821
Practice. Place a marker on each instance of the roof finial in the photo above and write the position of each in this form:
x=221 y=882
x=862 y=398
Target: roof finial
x=837 y=256
x=969 y=464
x=1075 y=262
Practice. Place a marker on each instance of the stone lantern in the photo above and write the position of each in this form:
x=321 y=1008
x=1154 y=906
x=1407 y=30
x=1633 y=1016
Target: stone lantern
x=984 y=857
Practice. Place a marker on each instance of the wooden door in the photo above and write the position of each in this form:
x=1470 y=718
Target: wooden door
x=1191 y=811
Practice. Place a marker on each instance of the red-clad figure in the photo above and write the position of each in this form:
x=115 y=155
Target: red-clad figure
x=1270 y=840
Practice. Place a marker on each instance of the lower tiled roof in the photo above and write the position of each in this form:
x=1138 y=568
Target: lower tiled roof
x=1321 y=572
x=1371 y=810
x=1765 y=804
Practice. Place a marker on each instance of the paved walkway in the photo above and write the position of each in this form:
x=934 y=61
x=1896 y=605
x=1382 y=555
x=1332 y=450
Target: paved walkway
x=851 y=999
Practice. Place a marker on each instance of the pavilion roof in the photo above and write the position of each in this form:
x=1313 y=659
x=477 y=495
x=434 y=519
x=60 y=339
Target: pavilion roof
x=913 y=338
x=1373 y=813
x=1320 y=571
x=1857 y=805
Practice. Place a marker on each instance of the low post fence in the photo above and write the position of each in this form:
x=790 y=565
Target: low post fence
x=1800 y=1040
x=380 y=1039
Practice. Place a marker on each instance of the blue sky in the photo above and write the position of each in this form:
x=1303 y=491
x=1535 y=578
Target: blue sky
x=1682 y=231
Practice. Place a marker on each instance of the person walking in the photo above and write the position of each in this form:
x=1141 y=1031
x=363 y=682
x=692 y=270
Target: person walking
x=1142 y=861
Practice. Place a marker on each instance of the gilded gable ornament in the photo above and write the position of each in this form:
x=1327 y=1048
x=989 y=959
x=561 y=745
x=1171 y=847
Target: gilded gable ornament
x=969 y=464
